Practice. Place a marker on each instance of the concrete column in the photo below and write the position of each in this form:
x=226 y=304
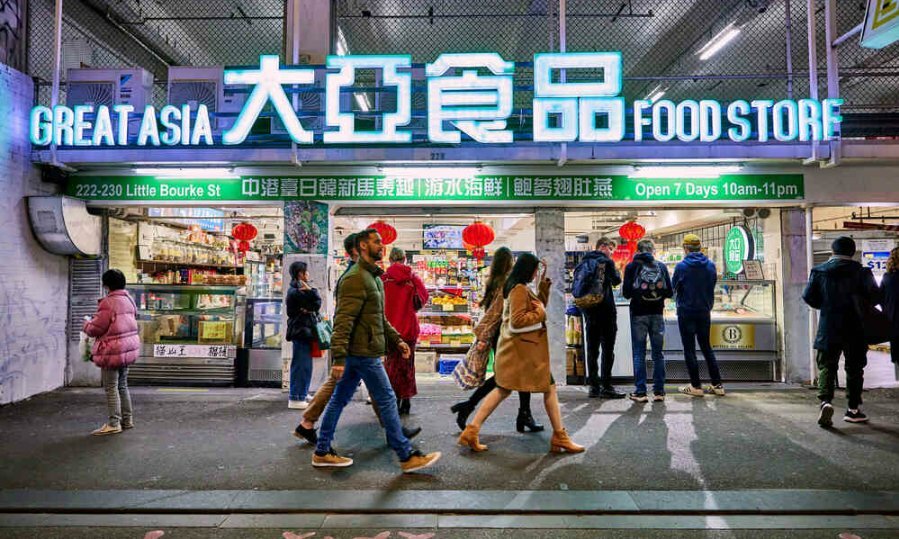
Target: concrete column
x=307 y=31
x=797 y=348
x=550 y=245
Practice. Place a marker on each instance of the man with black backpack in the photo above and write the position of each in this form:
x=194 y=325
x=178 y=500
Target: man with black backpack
x=594 y=278
x=647 y=284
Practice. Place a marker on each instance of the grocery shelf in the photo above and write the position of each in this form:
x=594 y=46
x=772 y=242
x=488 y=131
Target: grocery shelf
x=189 y=264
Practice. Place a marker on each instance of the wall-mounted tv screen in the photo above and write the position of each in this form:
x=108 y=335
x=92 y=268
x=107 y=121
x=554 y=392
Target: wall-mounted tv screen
x=442 y=236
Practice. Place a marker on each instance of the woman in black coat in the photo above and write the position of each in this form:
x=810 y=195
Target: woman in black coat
x=890 y=288
x=303 y=303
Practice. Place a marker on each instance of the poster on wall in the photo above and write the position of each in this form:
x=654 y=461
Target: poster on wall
x=305 y=228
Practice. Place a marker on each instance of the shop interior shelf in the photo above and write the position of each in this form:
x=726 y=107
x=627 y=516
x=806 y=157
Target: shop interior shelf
x=227 y=311
x=189 y=264
x=197 y=287
x=445 y=313
x=448 y=286
x=452 y=346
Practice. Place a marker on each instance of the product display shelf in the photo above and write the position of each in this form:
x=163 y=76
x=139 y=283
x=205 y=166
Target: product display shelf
x=189 y=264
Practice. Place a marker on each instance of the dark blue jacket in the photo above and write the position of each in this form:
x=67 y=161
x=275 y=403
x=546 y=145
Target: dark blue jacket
x=890 y=288
x=832 y=287
x=694 y=284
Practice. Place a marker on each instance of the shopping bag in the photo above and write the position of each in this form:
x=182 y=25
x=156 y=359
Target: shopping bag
x=85 y=346
x=323 y=331
x=316 y=350
x=471 y=371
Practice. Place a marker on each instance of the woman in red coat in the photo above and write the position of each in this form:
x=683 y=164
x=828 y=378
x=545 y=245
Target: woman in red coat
x=404 y=294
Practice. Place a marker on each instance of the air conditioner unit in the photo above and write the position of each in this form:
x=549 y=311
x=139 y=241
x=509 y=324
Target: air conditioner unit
x=110 y=87
x=310 y=108
x=196 y=86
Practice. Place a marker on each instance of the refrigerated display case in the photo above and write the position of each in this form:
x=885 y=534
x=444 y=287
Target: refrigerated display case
x=189 y=333
x=262 y=339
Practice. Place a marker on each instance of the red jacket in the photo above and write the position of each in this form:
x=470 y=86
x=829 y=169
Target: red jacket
x=115 y=328
x=400 y=285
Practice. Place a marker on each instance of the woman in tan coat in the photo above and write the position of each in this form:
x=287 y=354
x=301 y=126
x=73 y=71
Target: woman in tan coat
x=522 y=356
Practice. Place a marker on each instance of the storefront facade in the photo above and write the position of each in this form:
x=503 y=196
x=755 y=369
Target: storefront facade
x=751 y=166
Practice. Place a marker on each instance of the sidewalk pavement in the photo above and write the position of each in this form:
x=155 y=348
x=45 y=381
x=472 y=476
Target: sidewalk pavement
x=221 y=452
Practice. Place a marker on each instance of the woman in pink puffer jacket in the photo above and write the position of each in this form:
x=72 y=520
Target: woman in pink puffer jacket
x=118 y=345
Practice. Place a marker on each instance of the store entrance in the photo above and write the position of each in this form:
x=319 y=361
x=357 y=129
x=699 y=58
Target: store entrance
x=453 y=272
x=207 y=283
x=743 y=244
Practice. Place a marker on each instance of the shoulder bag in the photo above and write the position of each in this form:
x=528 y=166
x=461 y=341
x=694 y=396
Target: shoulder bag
x=323 y=331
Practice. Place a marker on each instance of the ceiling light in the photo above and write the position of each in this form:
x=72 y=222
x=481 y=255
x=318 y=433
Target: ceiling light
x=430 y=172
x=656 y=93
x=187 y=173
x=685 y=171
x=718 y=42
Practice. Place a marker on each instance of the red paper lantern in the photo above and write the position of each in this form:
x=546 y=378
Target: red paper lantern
x=243 y=246
x=478 y=234
x=387 y=232
x=479 y=253
x=244 y=231
x=631 y=231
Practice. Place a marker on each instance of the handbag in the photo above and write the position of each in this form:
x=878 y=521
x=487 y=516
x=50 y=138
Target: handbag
x=527 y=329
x=323 y=331
x=314 y=350
x=471 y=371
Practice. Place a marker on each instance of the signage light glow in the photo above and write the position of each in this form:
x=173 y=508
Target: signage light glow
x=467 y=93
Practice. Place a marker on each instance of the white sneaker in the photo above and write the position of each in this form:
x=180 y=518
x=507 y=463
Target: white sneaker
x=297 y=405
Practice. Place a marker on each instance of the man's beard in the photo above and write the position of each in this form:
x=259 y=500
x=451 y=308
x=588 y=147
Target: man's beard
x=376 y=255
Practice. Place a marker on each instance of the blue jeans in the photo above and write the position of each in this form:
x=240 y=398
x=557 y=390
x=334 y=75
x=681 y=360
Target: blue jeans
x=300 y=370
x=652 y=326
x=371 y=371
x=698 y=327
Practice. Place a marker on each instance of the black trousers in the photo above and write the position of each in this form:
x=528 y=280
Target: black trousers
x=524 y=398
x=601 y=329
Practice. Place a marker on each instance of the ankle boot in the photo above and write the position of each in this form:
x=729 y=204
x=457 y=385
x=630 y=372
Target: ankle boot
x=405 y=407
x=469 y=438
x=526 y=421
x=462 y=410
x=561 y=443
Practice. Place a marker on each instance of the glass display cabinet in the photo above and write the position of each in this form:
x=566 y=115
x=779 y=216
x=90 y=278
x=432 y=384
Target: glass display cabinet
x=189 y=333
x=262 y=339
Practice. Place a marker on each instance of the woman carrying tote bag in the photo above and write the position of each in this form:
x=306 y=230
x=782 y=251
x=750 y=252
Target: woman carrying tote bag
x=522 y=355
x=303 y=303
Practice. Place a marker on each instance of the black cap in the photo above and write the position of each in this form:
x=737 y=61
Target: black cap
x=843 y=246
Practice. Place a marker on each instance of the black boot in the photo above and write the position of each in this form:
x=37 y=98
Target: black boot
x=526 y=421
x=411 y=432
x=405 y=406
x=462 y=410
x=595 y=391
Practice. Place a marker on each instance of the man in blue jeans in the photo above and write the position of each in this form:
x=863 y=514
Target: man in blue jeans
x=694 y=287
x=361 y=336
x=647 y=284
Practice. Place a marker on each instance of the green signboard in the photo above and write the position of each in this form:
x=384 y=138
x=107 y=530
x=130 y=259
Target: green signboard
x=738 y=246
x=737 y=187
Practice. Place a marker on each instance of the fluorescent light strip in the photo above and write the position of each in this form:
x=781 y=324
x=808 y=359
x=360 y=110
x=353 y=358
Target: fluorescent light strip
x=430 y=172
x=187 y=173
x=684 y=171
x=718 y=42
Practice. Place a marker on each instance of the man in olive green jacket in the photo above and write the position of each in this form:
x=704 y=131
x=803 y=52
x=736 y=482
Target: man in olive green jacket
x=361 y=336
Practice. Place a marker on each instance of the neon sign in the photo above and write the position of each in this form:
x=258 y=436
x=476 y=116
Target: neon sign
x=467 y=93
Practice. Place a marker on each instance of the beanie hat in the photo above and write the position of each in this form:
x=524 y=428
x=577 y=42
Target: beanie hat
x=692 y=240
x=843 y=246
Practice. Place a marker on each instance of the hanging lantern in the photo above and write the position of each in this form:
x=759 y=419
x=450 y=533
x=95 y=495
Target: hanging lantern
x=622 y=254
x=631 y=231
x=478 y=234
x=244 y=231
x=243 y=246
x=386 y=230
x=478 y=253
x=468 y=247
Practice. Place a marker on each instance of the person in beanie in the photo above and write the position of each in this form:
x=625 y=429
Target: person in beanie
x=647 y=284
x=694 y=288
x=118 y=345
x=833 y=289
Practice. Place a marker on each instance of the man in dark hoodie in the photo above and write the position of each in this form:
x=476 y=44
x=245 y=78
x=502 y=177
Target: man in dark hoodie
x=647 y=284
x=694 y=287
x=601 y=321
x=833 y=288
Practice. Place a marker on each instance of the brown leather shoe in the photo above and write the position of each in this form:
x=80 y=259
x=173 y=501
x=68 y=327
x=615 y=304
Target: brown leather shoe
x=561 y=443
x=469 y=438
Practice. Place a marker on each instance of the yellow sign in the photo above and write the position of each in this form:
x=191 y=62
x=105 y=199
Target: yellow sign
x=213 y=331
x=881 y=24
x=733 y=336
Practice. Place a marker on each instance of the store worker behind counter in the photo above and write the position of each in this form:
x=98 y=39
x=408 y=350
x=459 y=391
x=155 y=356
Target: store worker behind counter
x=302 y=303
x=114 y=326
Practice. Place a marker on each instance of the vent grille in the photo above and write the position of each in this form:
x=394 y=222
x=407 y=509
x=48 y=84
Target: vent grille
x=85 y=288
